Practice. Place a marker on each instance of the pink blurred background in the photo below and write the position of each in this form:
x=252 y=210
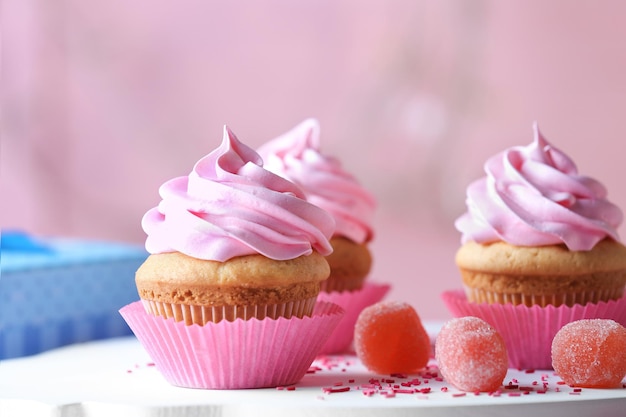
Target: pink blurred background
x=105 y=100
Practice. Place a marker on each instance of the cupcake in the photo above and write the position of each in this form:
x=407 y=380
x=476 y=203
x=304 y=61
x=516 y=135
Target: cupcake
x=296 y=156
x=232 y=240
x=537 y=232
x=228 y=293
x=539 y=249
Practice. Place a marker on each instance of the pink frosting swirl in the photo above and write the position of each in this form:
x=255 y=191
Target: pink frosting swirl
x=229 y=206
x=296 y=156
x=534 y=196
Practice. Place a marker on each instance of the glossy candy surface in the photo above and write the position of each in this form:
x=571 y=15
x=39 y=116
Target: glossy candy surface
x=389 y=338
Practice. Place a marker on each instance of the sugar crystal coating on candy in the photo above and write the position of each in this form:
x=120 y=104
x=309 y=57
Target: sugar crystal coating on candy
x=471 y=355
x=389 y=338
x=590 y=353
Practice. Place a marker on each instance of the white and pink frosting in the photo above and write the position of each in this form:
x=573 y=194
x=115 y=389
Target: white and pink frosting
x=229 y=206
x=534 y=196
x=296 y=156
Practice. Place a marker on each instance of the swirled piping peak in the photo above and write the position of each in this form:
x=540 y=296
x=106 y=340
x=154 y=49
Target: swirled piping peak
x=296 y=155
x=229 y=205
x=533 y=196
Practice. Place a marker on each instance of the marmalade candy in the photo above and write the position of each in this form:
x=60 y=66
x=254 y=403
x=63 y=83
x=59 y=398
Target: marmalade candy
x=389 y=338
x=590 y=353
x=471 y=355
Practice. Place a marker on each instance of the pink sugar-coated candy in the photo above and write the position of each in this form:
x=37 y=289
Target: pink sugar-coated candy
x=590 y=353
x=389 y=338
x=471 y=355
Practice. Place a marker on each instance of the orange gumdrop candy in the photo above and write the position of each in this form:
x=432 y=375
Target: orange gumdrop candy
x=590 y=353
x=389 y=338
x=471 y=355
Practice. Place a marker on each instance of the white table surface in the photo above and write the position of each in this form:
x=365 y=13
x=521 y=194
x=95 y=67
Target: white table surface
x=116 y=378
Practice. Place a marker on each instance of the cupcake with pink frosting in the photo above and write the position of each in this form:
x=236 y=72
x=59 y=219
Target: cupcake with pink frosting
x=296 y=155
x=229 y=291
x=539 y=249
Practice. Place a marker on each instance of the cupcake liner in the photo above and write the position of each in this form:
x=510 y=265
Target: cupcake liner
x=233 y=355
x=479 y=295
x=352 y=302
x=528 y=331
x=205 y=314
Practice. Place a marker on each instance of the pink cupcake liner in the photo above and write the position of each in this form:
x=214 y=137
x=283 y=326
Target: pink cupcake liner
x=202 y=315
x=479 y=295
x=528 y=331
x=352 y=302
x=233 y=354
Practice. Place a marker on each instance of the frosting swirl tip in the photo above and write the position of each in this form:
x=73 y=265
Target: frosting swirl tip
x=533 y=196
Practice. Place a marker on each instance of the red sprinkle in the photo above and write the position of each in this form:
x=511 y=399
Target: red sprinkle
x=331 y=390
x=404 y=391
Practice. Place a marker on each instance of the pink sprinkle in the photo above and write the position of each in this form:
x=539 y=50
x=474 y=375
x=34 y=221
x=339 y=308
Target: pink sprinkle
x=351 y=381
x=444 y=389
x=331 y=390
x=150 y=364
x=291 y=388
x=458 y=394
x=404 y=391
x=129 y=371
x=577 y=389
x=515 y=394
x=529 y=371
x=560 y=382
x=541 y=391
x=426 y=390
